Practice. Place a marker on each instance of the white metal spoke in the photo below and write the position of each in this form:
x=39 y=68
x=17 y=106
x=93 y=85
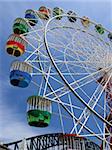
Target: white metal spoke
x=47 y=78
x=86 y=113
x=69 y=97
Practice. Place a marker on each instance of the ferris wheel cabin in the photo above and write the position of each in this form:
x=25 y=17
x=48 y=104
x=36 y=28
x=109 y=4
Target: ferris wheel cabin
x=20 y=26
x=58 y=11
x=85 y=21
x=20 y=74
x=99 y=29
x=44 y=13
x=15 y=45
x=39 y=111
x=72 y=17
x=110 y=36
x=31 y=16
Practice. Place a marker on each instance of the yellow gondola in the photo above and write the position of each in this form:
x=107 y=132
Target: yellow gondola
x=85 y=21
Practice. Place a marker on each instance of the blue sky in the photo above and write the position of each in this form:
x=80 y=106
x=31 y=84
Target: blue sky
x=13 y=124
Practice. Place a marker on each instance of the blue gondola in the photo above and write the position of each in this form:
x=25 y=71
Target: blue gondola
x=20 y=74
x=31 y=16
x=20 y=78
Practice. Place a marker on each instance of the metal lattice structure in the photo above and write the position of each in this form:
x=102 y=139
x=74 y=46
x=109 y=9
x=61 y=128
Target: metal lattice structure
x=3 y=147
x=56 y=141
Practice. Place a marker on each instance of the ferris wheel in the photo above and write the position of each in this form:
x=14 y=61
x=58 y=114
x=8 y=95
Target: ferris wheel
x=68 y=60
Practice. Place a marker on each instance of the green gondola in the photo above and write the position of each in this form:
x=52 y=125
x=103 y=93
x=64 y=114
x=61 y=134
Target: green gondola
x=39 y=111
x=99 y=29
x=20 y=26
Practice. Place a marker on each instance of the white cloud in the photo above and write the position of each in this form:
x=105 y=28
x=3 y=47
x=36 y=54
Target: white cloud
x=11 y=126
x=14 y=131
